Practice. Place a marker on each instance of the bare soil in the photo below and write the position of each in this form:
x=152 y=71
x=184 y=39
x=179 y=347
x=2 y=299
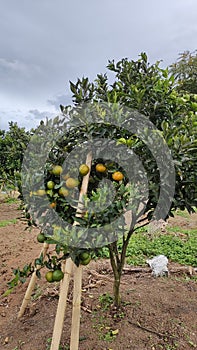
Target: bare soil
x=156 y=314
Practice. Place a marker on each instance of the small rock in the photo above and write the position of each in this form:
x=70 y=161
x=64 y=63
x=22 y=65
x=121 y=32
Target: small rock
x=6 y=340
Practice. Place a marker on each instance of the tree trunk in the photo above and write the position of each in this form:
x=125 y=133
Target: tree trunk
x=116 y=290
x=117 y=269
x=117 y=262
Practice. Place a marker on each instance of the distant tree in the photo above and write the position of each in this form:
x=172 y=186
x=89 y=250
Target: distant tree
x=185 y=72
x=12 y=146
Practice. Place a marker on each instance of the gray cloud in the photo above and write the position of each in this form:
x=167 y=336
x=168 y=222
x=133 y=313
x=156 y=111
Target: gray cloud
x=44 y=44
x=36 y=114
x=27 y=118
x=61 y=100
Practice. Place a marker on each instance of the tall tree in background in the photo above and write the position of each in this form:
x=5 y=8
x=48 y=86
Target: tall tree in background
x=185 y=72
x=12 y=146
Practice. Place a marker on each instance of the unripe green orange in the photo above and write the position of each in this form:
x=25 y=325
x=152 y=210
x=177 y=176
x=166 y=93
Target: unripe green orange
x=49 y=276
x=50 y=185
x=57 y=275
x=41 y=238
x=86 y=261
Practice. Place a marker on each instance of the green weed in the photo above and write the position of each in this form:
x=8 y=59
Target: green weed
x=4 y=223
x=11 y=200
x=106 y=301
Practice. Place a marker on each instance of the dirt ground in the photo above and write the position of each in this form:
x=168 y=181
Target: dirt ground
x=157 y=314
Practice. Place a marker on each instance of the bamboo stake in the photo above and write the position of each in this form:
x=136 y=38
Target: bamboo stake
x=59 y=319
x=31 y=285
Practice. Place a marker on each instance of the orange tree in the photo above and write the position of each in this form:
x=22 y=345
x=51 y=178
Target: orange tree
x=152 y=92
x=142 y=138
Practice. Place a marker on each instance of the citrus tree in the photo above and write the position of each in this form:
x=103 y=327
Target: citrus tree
x=151 y=91
x=141 y=135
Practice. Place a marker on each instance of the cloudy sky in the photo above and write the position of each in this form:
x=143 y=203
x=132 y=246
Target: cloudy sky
x=46 y=43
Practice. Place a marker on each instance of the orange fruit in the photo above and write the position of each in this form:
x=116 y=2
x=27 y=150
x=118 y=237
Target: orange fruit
x=50 y=185
x=53 y=205
x=84 y=169
x=63 y=192
x=86 y=261
x=65 y=176
x=117 y=176
x=71 y=182
x=49 y=276
x=57 y=170
x=41 y=238
x=101 y=168
x=84 y=258
x=40 y=192
x=57 y=275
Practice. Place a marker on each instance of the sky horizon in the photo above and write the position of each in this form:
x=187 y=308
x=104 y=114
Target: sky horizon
x=44 y=45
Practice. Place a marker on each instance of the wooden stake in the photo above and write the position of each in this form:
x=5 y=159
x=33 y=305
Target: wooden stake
x=76 y=311
x=67 y=268
x=59 y=319
x=31 y=285
x=58 y=326
x=84 y=187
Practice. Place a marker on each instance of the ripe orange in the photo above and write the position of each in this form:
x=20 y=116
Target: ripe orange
x=84 y=169
x=52 y=205
x=117 y=176
x=71 y=183
x=101 y=168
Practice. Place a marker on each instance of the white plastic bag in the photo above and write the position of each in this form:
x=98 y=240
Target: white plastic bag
x=158 y=265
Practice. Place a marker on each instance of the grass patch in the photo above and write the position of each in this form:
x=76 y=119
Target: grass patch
x=177 y=249
x=178 y=229
x=4 y=223
x=182 y=250
x=11 y=200
x=182 y=213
